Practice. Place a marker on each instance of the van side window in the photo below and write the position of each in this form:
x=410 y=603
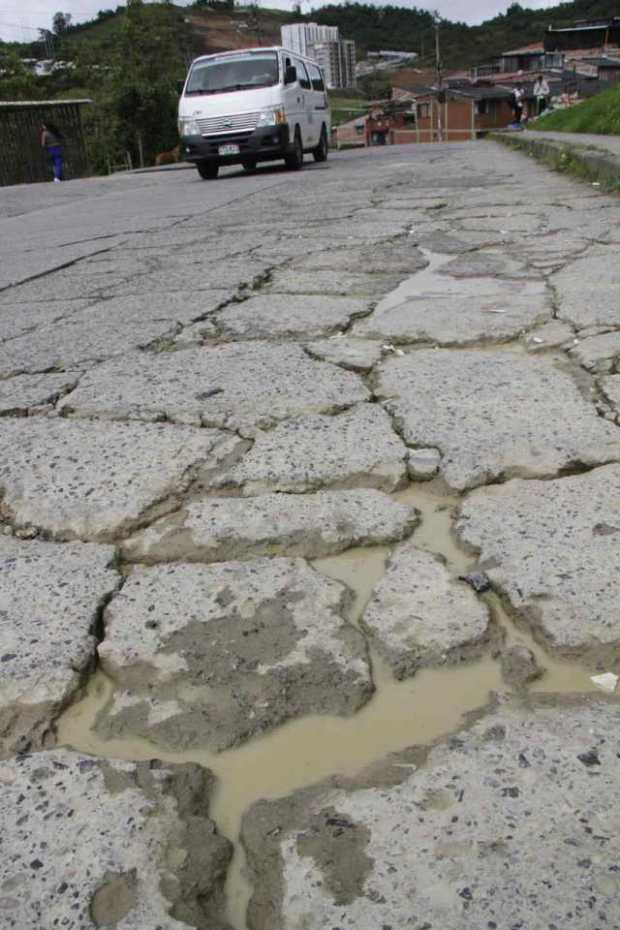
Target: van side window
x=316 y=77
x=302 y=75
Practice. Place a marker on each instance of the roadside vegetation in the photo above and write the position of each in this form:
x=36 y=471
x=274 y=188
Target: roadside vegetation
x=600 y=114
x=131 y=59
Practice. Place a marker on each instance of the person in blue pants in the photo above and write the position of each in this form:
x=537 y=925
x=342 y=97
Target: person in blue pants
x=52 y=141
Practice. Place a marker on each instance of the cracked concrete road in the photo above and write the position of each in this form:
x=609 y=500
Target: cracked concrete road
x=407 y=360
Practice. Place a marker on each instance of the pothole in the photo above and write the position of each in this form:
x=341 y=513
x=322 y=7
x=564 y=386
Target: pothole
x=417 y=710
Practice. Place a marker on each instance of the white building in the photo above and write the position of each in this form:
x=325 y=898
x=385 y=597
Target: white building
x=334 y=55
x=298 y=36
x=336 y=60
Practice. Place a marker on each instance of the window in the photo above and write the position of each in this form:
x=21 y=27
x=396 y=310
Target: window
x=409 y=119
x=316 y=78
x=302 y=74
x=481 y=107
x=424 y=110
x=233 y=72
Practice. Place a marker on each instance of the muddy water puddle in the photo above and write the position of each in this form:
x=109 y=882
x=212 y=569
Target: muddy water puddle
x=305 y=751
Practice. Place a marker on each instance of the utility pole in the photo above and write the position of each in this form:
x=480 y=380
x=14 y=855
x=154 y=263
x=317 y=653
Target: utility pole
x=439 y=78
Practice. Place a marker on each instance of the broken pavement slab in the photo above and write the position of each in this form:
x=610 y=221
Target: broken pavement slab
x=355 y=354
x=435 y=308
x=21 y=394
x=312 y=526
x=357 y=448
x=570 y=592
x=214 y=655
x=610 y=386
x=501 y=818
x=423 y=464
x=347 y=284
x=483 y=264
x=553 y=335
x=420 y=616
x=587 y=289
x=287 y=316
x=239 y=386
x=19 y=318
x=87 y=843
x=50 y=598
x=494 y=414
x=398 y=257
x=106 y=329
x=599 y=354
x=98 y=481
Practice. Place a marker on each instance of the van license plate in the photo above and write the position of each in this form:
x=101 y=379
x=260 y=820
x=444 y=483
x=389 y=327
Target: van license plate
x=229 y=149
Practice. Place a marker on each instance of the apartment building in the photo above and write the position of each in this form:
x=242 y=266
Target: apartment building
x=337 y=61
x=334 y=55
x=298 y=36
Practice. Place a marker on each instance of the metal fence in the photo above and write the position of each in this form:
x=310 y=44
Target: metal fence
x=22 y=160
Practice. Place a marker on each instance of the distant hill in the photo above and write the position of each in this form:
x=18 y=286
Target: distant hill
x=218 y=26
x=398 y=28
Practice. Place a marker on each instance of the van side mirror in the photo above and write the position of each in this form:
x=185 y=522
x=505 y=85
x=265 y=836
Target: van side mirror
x=180 y=86
x=290 y=75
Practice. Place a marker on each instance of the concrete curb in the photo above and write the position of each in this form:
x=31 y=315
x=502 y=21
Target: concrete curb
x=582 y=161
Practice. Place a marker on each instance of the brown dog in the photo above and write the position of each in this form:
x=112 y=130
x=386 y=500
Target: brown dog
x=169 y=158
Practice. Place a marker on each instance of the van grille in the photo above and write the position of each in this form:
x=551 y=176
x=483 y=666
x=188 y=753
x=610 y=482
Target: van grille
x=240 y=122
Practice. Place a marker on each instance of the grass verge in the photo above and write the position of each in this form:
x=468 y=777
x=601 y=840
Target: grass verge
x=599 y=114
x=586 y=163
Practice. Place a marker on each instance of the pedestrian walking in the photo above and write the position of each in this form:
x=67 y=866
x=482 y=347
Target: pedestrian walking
x=542 y=93
x=52 y=141
x=518 y=95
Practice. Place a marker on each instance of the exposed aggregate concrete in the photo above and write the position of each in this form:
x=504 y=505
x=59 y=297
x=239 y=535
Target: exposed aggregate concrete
x=239 y=386
x=458 y=312
x=280 y=315
x=509 y=823
x=104 y=489
x=213 y=655
x=308 y=525
x=419 y=615
x=358 y=448
x=569 y=591
x=19 y=395
x=494 y=414
x=49 y=601
x=271 y=279
x=88 y=843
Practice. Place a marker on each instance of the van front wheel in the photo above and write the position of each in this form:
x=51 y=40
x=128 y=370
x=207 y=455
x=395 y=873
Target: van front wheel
x=320 y=152
x=207 y=170
x=295 y=160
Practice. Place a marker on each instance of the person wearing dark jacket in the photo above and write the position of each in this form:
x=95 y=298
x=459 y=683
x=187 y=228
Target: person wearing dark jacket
x=52 y=141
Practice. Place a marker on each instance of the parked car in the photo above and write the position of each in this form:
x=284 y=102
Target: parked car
x=250 y=106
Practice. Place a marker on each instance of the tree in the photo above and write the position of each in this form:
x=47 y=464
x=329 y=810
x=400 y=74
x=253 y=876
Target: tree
x=134 y=82
x=60 y=23
x=18 y=82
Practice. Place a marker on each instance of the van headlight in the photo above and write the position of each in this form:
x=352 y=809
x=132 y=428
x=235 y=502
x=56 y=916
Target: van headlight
x=188 y=127
x=271 y=118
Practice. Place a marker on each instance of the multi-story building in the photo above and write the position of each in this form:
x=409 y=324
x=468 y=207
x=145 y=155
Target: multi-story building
x=298 y=36
x=334 y=55
x=337 y=61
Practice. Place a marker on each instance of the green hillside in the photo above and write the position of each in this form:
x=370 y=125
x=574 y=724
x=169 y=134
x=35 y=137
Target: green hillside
x=412 y=29
x=600 y=114
x=130 y=60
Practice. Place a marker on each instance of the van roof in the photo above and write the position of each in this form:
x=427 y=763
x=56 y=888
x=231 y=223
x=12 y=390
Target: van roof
x=240 y=51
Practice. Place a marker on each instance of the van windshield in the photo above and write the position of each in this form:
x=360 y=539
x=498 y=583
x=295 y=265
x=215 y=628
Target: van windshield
x=234 y=72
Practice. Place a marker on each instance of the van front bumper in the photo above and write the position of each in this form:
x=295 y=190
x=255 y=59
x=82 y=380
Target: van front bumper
x=264 y=144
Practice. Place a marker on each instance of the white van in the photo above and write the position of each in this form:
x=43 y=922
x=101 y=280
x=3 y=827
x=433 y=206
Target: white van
x=252 y=105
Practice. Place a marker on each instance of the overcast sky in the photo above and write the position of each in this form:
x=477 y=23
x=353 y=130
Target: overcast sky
x=20 y=19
